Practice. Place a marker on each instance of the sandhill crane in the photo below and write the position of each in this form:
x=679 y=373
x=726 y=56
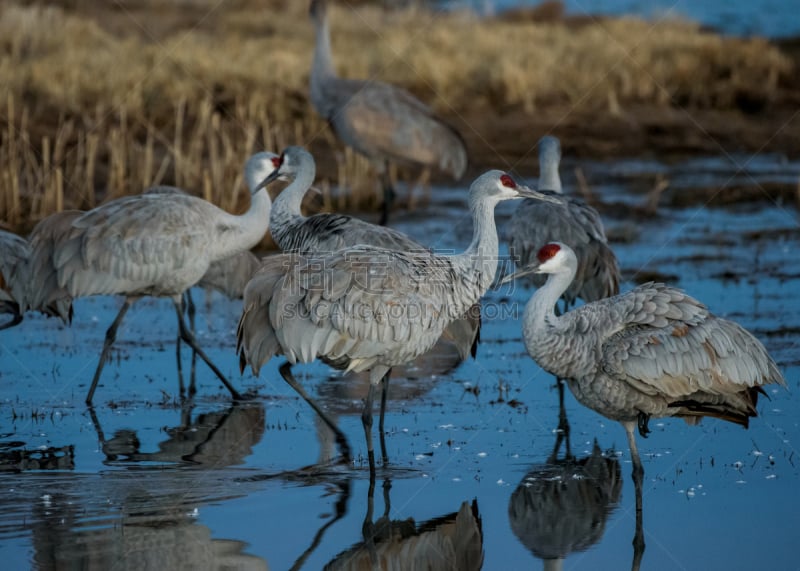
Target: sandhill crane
x=327 y=232
x=572 y=222
x=382 y=122
x=651 y=352
x=14 y=254
x=36 y=284
x=366 y=308
x=228 y=276
x=561 y=507
x=158 y=245
x=43 y=292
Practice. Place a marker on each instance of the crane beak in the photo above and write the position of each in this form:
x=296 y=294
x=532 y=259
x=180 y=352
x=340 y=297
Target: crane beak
x=532 y=269
x=527 y=192
x=274 y=175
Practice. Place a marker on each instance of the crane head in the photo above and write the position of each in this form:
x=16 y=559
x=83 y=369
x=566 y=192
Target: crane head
x=317 y=9
x=553 y=258
x=291 y=161
x=496 y=186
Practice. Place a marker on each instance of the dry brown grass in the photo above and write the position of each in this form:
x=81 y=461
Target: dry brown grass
x=99 y=103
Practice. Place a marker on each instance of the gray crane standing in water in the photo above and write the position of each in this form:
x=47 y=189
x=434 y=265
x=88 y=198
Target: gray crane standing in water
x=228 y=276
x=14 y=254
x=328 y=232
x=158 y=244
x=367 y=308
x=572 y=222
x=651 y=352
x=382 y=122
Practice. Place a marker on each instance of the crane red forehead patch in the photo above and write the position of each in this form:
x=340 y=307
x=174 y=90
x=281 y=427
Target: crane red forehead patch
x=506 y=180
x=547 y=251
x=276 y=161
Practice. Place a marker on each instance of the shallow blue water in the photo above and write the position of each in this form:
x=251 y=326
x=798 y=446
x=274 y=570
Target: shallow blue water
x=769 y=18
x=146 y=484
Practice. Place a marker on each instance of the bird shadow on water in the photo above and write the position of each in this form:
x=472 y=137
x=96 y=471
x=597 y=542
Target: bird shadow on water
x=562 y=506
x=143 y=512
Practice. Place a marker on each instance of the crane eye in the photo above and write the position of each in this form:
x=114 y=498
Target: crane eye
x=547 y=251
x=506 y=180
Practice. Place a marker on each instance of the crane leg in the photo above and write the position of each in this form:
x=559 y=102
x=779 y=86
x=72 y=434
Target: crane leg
x=384 y=395
x=341 y=440
x=12 y=308
x=638 y=480
x=388 y=196
x=563 y=421
x=190 y=312
x=187 y=336
x=366 y=420
x=111 y=336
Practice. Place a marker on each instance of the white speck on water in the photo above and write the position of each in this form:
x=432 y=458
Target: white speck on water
x=500 y=482
x=195 y=513
x=95 y=319
x=771 y=477
x=699 y=486
x=425 y=476
x=447 y=426
x=456 y=447
x=435 y=444
x=738 y=465
x=757 y=453
x=482 y=454
x=690 y=492
x=404 y=430
x=741 y=481
x=660 y=424
x=456 y=479
x=419 y=457
x=515 y=455
x=46 y=500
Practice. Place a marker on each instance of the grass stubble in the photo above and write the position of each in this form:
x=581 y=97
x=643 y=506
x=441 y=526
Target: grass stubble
x=100 y=100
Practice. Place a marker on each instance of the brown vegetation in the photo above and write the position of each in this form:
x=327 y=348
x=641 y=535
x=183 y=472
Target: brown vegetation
x=99 y=99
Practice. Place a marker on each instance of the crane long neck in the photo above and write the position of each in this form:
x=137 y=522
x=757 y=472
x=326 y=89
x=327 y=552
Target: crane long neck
x=286 y=212
x=549 y=178
x=243 y=232
x=540 y=309
x=322 y=66
x=482 y=254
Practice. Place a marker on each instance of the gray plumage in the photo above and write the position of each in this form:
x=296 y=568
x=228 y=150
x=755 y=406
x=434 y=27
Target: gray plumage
x=570 y=221
x=326 y=233
x=14 y=255
x=369 y=308
x=44 y=292
x=228 y=276
x=561 y=508
x=653 y=351
x=158 y=244
x=380 y=121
